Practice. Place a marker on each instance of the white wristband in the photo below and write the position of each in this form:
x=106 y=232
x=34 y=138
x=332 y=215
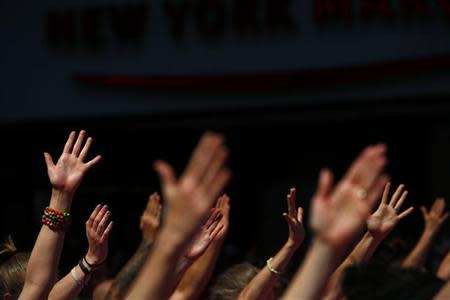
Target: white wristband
x=76 y=278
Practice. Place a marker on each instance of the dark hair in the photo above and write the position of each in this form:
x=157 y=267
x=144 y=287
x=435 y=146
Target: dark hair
x=13 y=265
x=376 y=281
x=231 y=282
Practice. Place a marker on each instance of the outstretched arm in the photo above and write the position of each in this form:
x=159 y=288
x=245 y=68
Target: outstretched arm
x=379 y=225
x=149 y=225
x=338 y=215
x=433 y=222
x=188 y=201
x=65 y=177
x=444 y=268
x=262 y=285
x=198 y=275
x=98 y=229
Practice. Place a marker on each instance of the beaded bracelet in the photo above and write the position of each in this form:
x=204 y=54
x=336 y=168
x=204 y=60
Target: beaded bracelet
x=55 y=219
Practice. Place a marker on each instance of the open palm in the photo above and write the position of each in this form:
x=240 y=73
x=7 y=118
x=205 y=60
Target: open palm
x=67 y=173
x=206 y=235
x=386 y=217
x=189 y=199
x=338 y=214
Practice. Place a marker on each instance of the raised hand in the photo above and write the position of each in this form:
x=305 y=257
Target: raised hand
x=387 y=216
x=150 y=218
x=436 y=216
x=98 y=229
x=223 y=205
x=294 y=218
x=206 y=235
x=67 y=173
x=189 y=199
x=339 y=213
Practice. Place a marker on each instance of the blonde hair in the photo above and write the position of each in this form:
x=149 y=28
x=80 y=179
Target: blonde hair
x=13 y=265
x=230 y=284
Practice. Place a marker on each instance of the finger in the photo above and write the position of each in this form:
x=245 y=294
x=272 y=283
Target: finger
x=158 y=211
x=219 y=202
x=400 y=202
x=217 y=230
x=373 y=196
x=387 y=187
x=424 y=211
x=151 y=204
x=69 y=142
x=93 y=162
x=214 y=224
x=212 y=217
x=202 y=155
x=48 y=160
x=102 y=223
x=216 y=164
x=219 y=183
x=288 y=219
x=396 y=195
x=325 y=183
x=438 y=206
x=77 y=148
x=406 y=212
x=225 y=208
x=291 y=202
x=300 y=214
x=93 y=215
x=367 y=167
x=107 y=232
x=444 y=217
x=85 y=150
x=157 y=203
x=165 y=173
x=99 y=217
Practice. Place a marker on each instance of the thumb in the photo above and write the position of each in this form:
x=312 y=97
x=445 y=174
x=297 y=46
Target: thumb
x=165 y=172
x=48 y=160
x=424 y=211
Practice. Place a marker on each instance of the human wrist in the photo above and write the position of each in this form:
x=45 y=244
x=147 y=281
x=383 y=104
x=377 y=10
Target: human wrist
x=93 y=259
x=60 y=200
x=429 y=232
x=292 y=245
x=171 y=241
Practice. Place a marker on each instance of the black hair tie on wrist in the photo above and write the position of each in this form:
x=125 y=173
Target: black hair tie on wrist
x=93 y=266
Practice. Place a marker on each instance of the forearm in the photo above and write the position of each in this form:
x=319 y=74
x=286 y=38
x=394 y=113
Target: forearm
x=261 y=286
x=361 y=253
x=444 y=293
x=416 y=257
x=310 y=280
x=197 y=276
x=444 y=268
x=123 y=280
x=158 y=270
x=43 y=264
x=67 y=288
